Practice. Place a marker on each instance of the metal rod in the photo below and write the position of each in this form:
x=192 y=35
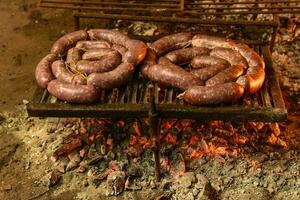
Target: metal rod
x=154 y=132
x=179 y=20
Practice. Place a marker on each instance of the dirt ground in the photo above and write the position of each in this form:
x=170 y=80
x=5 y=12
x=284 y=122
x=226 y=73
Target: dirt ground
x=26 y=35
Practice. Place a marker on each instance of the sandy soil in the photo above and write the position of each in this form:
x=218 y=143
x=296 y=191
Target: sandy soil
x=25 y=145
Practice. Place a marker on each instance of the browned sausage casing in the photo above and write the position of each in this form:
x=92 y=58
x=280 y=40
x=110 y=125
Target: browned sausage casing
x=255 y=75
x=211 y=95
x=99 y=54
x=86 y=45
x=208 y=72
x=173 y=76
x=149 y=60
x=211 y=42
x=104 y=64
x=171 y=42
x=62 y=74
x=122 y=50
x=73 y=56
x=232 y=56
x=136 y=52
x=207 y=61
x=43 y=72
x=62 y=44
x=112 y=79
x=184 y=56
x=111 y=36
x=230 y=74
x=73 y=93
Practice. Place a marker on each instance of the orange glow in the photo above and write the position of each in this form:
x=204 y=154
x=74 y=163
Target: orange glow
x=195 y=155
x=170 y=138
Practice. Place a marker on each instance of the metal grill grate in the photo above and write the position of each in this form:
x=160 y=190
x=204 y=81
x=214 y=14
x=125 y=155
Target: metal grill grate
x=132 y=100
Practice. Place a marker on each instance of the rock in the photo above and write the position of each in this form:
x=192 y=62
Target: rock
x=54 y=178
x=195 y=191
x=74 y=157
x=186 y=179
x=62 y=164
x=72 y=165
x=25 y=101
x=250 y=192
x=115 y=182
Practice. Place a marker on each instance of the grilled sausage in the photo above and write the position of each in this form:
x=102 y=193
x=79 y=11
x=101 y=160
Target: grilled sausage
x=122 y=50
x=73 y=56
x=112 y=36
x=230 y=74
x=43 y=73
x=149 y=60
x=211 y=42
x=173 y=76
x=104 y=64
x=62 y=74
x=232 y=56
x=255 y=75
x=73 y=93
x=207 y=61
x=184 y=56
x=100 y=54
x=112 y=79
x=136 y=52
x=208 y=72
x=211 y=95
x=86 y=45
x=67 y=41
x=171 y=42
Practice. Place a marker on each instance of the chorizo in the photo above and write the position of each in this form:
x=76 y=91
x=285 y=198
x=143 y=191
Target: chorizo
x=121 y=49
x=173 y=76
x=73 y=93
x=67 y=41
x=111 y=36
x=228 y=75
x=207 y=61
x=208 y=72
x=232 y=56
x=211 y=95
x=86 y=45
x=211 y=42
x=104 y=64
x=100 y=54
x=43 y=72
x=62 y=74
x=149 y=60
x=171 y=42
x=136 y=52
x=73 y=56
x=112 y=79
x=184 y=56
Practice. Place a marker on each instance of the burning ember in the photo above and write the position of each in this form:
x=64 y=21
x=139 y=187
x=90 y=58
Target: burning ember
x=120 y=152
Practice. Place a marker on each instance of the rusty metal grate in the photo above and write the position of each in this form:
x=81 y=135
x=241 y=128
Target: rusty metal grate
x=132 y=101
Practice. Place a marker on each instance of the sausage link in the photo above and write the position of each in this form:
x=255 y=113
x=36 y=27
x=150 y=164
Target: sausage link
x=232 y=56
x=73 y=93
x=86 y=45
x=211 y=95
x=171 y=42
x=228 y=75
x=112 y=79
x=211 y=42
x=67 y=41
x=121 y=49
x=207 y=61
x=101 y=65
x=99 y=54
x=73 y=56
x=62 y=74
x=208 y=72
x=173 y=76
x=43 y=73
x=184 y=56
x=111 y=36
x=149 y=60
x=136 y=52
